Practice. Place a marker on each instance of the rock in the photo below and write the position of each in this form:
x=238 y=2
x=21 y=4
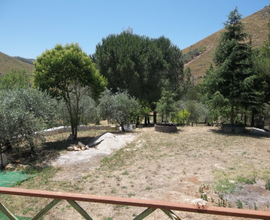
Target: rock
x=23 y=166
x=4 y=162
x=83 y=148
x=86 y=147
x=70 y=148
x=10 y=166
x=80 y=144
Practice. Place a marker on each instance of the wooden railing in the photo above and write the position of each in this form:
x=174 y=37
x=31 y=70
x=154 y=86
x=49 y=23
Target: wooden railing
x=151 y=205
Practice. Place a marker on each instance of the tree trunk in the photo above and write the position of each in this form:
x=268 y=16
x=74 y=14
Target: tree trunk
x=138 y=121
x=145 y=121
x=252 y=117
x=122 y=127
x=155 y=117
x=148 y=120
x=232 y=114
x=245 y=118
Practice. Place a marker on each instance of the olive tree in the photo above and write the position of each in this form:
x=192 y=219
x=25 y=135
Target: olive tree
x=118 y=107
x=24 y=112
x=67 y=73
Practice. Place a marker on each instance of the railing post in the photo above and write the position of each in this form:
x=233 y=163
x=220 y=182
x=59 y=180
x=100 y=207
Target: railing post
x=79 y=209
x=144 y=214
x=46 y=209
x=7 y=212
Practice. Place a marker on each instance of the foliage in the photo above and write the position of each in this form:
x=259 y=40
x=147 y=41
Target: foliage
x=24 y=112
x=15 y=79
x=233 y=80
x=192 y=54
x=29 y=61
x=197 y=111
x=118 y=107
x=88 y=111
x=166 y=106
x=181 y=116
x=68 y=73
x=139 y=65
x=263 y=63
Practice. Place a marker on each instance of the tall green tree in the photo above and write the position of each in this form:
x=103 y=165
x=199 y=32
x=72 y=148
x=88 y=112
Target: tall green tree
x=67 y=73
x=139 y=65
x=232 y=80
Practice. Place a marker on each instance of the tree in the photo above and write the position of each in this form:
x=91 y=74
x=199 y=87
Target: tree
x=15 y=79
x=24 y=112
x=118 y=107
x=166 y=106
x=139 y=65
x=232 y=80
x=67 y=73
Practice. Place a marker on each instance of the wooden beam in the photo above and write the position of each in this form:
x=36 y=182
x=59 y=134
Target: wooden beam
x=139 y=203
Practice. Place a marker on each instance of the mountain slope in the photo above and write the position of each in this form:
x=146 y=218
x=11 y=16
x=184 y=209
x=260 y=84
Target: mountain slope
x=255 y=24
x=8 y=63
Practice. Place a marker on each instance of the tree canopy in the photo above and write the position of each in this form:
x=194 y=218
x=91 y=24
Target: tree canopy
x=232 y=80
x=139 y=65
x=67 y=73
x=118 y=107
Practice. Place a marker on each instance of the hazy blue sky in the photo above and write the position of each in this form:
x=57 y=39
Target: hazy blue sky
x=29 y=27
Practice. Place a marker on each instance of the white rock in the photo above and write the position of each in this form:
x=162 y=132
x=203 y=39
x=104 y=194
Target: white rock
x=70 y=148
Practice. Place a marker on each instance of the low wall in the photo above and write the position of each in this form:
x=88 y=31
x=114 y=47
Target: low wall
x=62 y=129
x=162 y=128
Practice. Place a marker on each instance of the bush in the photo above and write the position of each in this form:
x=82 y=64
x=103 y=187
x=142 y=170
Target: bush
x=118 y=107
x=22 y=113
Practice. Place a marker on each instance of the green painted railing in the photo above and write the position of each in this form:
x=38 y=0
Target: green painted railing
x=151 y=205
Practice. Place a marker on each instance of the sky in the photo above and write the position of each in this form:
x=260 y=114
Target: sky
x=29 y=27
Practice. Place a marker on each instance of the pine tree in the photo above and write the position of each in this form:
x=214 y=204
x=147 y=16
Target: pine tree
x=234 y=66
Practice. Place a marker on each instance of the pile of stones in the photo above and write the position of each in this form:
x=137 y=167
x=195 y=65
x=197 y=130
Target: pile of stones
x=78 y=147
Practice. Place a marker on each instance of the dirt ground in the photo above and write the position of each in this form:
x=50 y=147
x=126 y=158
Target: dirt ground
x=178 y=167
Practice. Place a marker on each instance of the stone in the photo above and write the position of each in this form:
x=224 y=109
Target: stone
x=70 y=148
x=83 y=148
x=80 y=144
x=10 y=166
x=86 y=147
x=4 y=162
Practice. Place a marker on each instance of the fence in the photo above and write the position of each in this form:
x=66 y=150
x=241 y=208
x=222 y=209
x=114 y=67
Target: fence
x=151 y=205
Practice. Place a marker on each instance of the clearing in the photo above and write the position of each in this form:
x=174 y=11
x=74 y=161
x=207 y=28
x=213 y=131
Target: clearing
x=200 y=161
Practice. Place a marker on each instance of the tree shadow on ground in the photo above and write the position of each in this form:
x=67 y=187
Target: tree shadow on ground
x=247 y=133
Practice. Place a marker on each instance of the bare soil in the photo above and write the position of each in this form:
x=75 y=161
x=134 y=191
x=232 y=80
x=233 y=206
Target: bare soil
x=176 y=167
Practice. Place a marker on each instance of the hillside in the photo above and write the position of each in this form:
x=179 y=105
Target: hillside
x=8 y=63
x=30 y=61
x=255 y=24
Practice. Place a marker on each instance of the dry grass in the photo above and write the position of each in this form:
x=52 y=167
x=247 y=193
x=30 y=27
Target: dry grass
x=175 y=167
x=9 y=63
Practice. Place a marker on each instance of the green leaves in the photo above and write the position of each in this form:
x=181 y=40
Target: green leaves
x=67 y=73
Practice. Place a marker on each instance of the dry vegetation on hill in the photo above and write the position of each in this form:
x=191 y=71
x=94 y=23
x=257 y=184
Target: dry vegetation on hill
x=8 y=63
x=255 y=24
